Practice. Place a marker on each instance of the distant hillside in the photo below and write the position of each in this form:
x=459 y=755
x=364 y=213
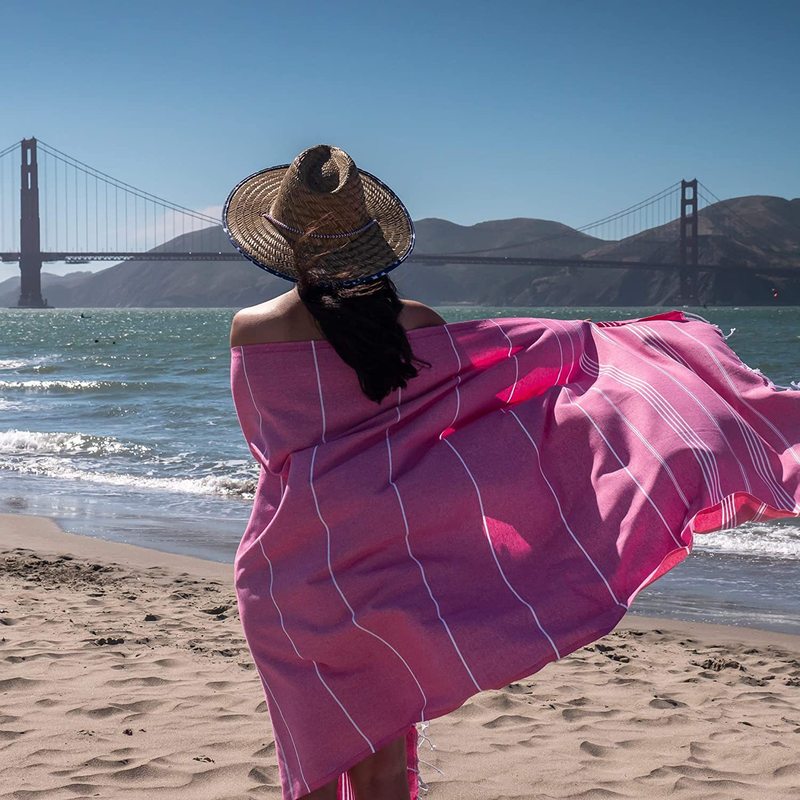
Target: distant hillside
x=160 y=283
x=744 y=231
x=56 y=288
x=486 y=285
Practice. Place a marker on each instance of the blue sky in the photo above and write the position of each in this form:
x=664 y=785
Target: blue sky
x=470 y=111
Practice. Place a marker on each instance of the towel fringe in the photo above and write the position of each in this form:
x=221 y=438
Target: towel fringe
x=716 y=327
x=793 y=385
x=696 y=316
x=424 y=738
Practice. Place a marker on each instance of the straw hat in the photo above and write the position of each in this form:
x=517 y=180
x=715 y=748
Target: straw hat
x=353 y=226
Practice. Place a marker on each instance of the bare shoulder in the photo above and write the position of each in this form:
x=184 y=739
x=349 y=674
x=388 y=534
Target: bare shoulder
x=264 y=322
x=417 y=315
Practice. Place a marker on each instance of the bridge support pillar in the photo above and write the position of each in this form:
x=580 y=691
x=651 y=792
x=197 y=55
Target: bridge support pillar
x=30 y=259
x=689 y=242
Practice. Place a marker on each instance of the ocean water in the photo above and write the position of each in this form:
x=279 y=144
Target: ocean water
x=118 y=423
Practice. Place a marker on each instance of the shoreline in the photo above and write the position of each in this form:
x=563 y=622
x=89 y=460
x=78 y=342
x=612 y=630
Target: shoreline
x=125 y=674
x=705 y=589
x=16 y=531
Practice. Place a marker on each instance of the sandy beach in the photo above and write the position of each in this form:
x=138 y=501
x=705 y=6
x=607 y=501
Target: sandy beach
x=125 y=674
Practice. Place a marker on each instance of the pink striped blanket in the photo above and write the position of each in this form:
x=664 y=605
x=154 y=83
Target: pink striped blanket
x=501 y=512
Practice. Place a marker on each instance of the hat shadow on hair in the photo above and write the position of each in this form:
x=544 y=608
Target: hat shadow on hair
x=335 y=261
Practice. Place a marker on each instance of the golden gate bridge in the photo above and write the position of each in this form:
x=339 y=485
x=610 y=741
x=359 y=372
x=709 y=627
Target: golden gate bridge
x=55 y=208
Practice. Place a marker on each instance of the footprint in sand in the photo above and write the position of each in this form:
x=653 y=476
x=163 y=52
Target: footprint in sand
x=16 y=684
x=595 y=750
x=577 y=714
x=666 y=702
x=507 y=721
x=579 y=701
x=215 y=611
x=104 y=641
x=718 y=663
x=149 y=680
x=101 y=712
x=168 y=662
x=262 y=775
x=752 y=681
x=268 y=751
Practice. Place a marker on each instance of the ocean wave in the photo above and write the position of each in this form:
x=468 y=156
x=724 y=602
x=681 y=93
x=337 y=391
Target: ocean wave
x=40 y=363
x=61 y=386
x=46 y=369
x=13 y=363
x=220 y=485
x=15 y=442
x=755 y=539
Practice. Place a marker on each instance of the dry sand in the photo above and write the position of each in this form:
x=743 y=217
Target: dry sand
x=123 y=673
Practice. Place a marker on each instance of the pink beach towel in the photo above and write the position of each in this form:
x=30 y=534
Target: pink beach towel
x=501 y=512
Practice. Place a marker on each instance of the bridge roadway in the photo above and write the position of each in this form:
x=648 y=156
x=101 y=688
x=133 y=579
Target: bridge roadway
x=428 y=259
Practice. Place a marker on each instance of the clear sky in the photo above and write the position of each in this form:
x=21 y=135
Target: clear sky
x=563 y=110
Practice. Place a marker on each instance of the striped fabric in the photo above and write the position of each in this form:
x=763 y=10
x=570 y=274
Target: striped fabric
x=501 y=512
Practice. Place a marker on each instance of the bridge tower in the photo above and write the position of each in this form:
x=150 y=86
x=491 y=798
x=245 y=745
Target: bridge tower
x=30 y=254
x=689 y=241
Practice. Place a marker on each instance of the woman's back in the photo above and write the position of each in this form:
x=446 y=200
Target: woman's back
x=499 y=512
x=286 y=319
x=445 y=510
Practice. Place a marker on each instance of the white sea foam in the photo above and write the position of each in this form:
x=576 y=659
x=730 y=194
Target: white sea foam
x=207 y=485
x=62 y=385
x=12 y=363
x=771 y=540
x=36 y=363
x=14 y=442
x=58 y=454
x=13 y=457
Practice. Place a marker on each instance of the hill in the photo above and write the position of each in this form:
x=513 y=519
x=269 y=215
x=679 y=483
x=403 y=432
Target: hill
x=744 y=231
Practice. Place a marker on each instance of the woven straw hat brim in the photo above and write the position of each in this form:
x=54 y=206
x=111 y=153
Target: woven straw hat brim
x=363 y=257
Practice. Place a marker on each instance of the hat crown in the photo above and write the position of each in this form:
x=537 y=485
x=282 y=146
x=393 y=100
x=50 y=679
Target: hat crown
x=321 y=192
x=324 y=168
x=323 y=210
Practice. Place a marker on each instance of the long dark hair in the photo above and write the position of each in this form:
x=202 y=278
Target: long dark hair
x=361 y=323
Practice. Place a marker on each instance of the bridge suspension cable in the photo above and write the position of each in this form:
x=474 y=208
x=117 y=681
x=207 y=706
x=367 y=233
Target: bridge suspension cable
x=655 y=210
x=91 y=171
x=9 y=198
x=87 y=212
x=11 y=148
x=725 y=205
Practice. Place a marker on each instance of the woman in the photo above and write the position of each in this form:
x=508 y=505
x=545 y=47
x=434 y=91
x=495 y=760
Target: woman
x=446 y=508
